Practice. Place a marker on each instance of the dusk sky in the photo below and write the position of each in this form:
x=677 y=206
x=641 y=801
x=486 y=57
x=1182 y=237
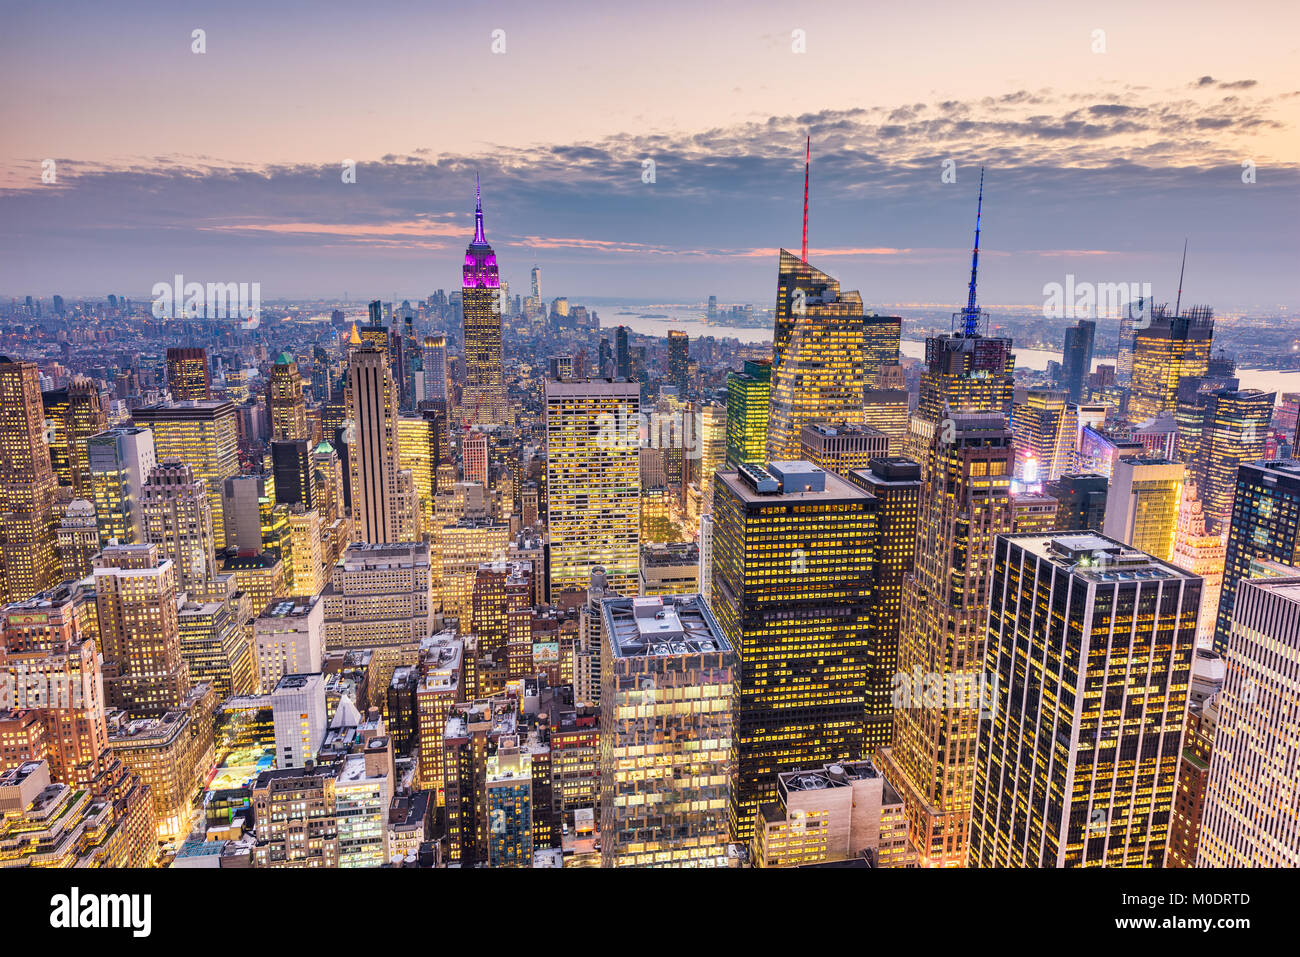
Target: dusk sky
x=226 y=165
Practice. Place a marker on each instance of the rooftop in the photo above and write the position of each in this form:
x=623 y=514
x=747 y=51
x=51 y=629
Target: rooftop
x=664 y=625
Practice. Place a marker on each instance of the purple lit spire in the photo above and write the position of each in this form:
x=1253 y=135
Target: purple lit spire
x=479 y=238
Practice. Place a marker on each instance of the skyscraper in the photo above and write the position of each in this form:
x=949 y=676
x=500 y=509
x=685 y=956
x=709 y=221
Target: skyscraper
x=1142 y=505
x=881 y=336
x=965 y=503
x=679 y=360
x=120 y=461
x=818 y=370
x=1077 y=762
x=484 y=399
x=285 y=400
x=792 y=591
x=593 y=487
x=1044 y=437
x=177 y=517
x=1076 y=359
x=1250 y=817
x=435 y=370
x=187 y=374
x=203 y=435
x=28 y=563
x=1235 y=427
x=748 y=403
x=1265 y=524
x=373 y=446
x=666 y=729
x=1166 y=350
x=73 y=415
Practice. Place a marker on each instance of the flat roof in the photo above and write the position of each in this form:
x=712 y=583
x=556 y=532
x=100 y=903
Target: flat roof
x=662 y=625
x=837 y=490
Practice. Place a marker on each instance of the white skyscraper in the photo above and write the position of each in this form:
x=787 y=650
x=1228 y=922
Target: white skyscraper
x=298 y=714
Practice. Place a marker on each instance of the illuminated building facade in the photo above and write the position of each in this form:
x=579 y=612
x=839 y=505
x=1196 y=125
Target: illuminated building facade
x=284 y=399
x=1076 y=764
x=1265 y=524
x=842 y=448
x=484 y=398
x=28 y=563
x=203 y=435
x=818 y=369
x=792 y=588
x=679 y=363
x=665 y=734
x=749 y=397
x=379 y=595
x=965 y=503
x=1143 y=503
x=881 y=336
x=1251 y=818
x=508 y=795
x=373 y=459
x=1166 y=350
x=593 y=488
x=1201 y=553
x=177 y=517
x=187 y=374
x=1235 y=427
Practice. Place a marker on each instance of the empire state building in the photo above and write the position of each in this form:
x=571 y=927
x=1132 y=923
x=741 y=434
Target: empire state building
x=484 y=400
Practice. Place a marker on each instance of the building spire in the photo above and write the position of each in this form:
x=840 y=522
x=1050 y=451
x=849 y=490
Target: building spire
x=479 y=238
x=807 y=163
x=971 y=314
x=1179 y=302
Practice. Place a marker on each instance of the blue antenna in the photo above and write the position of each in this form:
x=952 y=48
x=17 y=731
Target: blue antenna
x=971 y=314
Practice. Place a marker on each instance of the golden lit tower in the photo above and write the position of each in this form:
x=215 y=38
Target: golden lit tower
x=178 y=519
x=1166 y=350
x=484 y=398
x=187 y=374
x=965 y=503
x=372 y=442
x=749 y=397
x=28 y=563
x=285 y=400
x=1090 y=649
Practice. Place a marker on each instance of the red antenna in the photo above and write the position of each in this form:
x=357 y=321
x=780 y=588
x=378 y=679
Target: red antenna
x=807 y=162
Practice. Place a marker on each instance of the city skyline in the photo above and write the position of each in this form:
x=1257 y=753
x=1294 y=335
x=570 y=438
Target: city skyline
x=1087 y=175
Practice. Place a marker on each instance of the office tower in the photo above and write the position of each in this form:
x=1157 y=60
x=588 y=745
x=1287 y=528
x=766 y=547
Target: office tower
x=373 y=447
x=818 y=370
x=1159 y=436
x=666 y=731
x=1236 y=425
x=1080 y=416
x=463 y=547
x=1165 y=351
x=792 y=591
x=177 y=517
x=327 y=483
x=711 y=432
x=474 y=457
x=500 y=607
x=1080 y=501
x=484 y=399
x=1044 y=436
x=242 y=502
x=187 y=374
x=48 y=641
x=442 y=684
x=1076 y=359
x=214 y=642
x=1203 y=554
x=704 y=575
x=120 y=461
x=474 y=730
x=894 y=484
x=1265 y=524
x=679 y=360
x=1250 y=802
x=842 y=448
x=379 y=595
x=535 y=287
x=1032 y=510
x=964 y=503
x=592 y=482
x=285 y=401
x=28 y=564
x=1192 y=403
x=291 y=467
x=509 y=803
x=886 y=410
x=295 y=819
x=73 y=414
x=77 y=540
x=421 y=447
x=1100 y=450
x=1077 y=761
x=622 y=357
x=1142 y=505
x=304 y=572
x=881 y=336
x=749 y=396
x=1194 y=764
x=203 y=435
x=289 y=639
x=260 y=576
x=363 y=790
x=435 y=370
x=298 y=709
x=843 y=812
x=135 y=594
